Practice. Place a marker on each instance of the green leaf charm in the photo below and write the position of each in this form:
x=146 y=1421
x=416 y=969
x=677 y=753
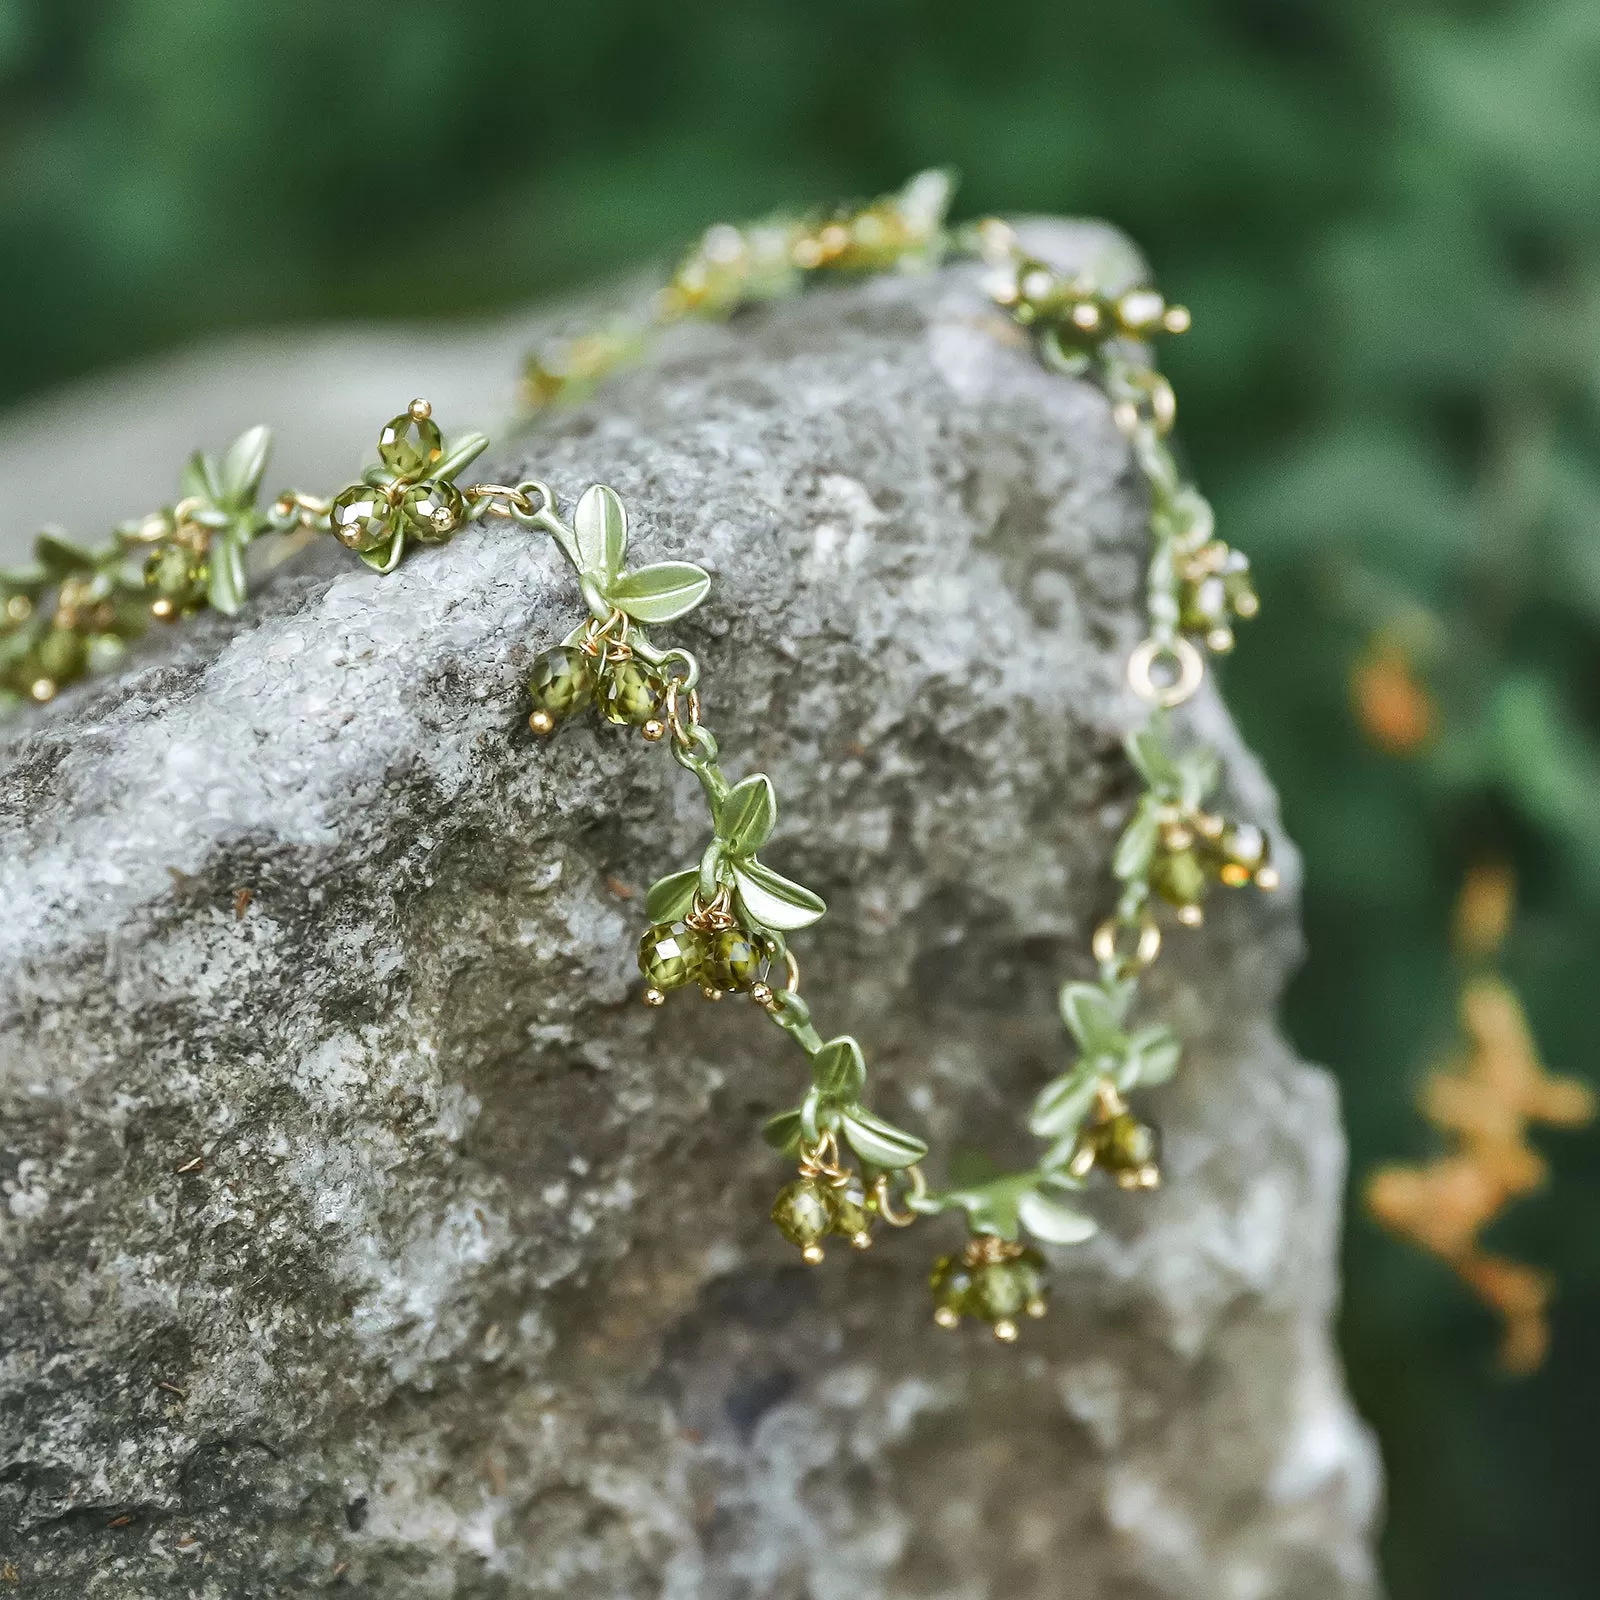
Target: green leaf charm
x=1048 y=1219
x=61 y=559
x=199 y=479
x=672 y=897
x=747 y=816
x=387 y=556
x=839 y=1070
x=1063 y=1104
x=880 y=1142
x=225 y=587
x=1137 y=846
x=1093 y=1016
x=1153 y=1056
x=772 y=901
x=240 y=474
x=600 y=522
x=661 y=593
x=783 y=1131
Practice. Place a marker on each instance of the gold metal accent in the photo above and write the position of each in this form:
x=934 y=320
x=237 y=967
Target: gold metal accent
x=1189 y=671
x=1176 y=319
x=861 y=1241
x=946 y=1318
x=1268 y=878
x=884 y=1206
x=542 y=724
x=419 y=410
x=762 y=995
x=1036 y=1307
x=654 y=730
x=812 y=1255
x=716 y=915
x=1191 y=916
x=163 y=610
x=1106 y=939
x=654 y=997
x=43 y=689
x=515 y=500
x=681 y=733
x=710 y=991
x=1006 y=1331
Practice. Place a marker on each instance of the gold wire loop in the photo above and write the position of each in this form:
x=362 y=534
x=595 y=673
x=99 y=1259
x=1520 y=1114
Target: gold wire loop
x=682 y=732
x=885 y=1207
x=1188 y=669
x=821 y=1160
x=608 y=638
x=1152 y=390
x=516 y=501
x=1107 y=938
x=716 y=915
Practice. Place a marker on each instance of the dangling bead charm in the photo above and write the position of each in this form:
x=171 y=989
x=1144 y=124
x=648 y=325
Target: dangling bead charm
x=992 y=1280
x=671 y=954
x=1119 y=1144
x=560 y=683
x=826 y=1198
x=630 y=695
x=734 y=960
x=804 y=1216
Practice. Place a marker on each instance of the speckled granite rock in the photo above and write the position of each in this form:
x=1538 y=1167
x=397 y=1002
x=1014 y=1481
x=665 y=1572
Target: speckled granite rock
x=473 y=1293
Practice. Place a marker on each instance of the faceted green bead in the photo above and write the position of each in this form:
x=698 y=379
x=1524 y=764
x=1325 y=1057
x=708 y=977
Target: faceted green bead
x=410 y=446
x=802 y=1212
x=178 y=575
x=62 y=654
x=1179 y=877
x=999 y=1292
x=1203 y=605
x=671 y=954
x=432 y=511
x=1245 y=845
x=561 y=681
x=629 y=694
x=1124 y=1146
x=950 y=1283
x=733 y=960
x=851 y=1220
x=362 y=517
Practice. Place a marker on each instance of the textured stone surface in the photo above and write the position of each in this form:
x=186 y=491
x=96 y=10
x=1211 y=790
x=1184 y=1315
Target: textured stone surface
x=474 y=1294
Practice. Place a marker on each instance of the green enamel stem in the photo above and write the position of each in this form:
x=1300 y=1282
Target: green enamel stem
x=563 y=536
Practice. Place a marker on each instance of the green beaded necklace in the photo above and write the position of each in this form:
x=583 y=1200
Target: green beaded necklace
x=722 y=924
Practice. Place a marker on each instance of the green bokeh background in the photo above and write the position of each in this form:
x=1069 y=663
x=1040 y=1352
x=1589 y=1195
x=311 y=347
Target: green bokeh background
x=1385 y=215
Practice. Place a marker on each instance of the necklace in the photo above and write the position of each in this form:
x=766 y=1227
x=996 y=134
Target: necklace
x=723 y=924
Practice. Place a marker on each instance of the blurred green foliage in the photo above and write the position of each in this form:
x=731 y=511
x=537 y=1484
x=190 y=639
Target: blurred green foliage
x=1385 y=215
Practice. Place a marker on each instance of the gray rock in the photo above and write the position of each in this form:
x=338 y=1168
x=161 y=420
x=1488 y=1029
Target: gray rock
x=474 y=1292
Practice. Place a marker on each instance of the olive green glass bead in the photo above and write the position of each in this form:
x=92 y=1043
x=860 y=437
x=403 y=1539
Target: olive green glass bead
x=950 y=1283
x=62 y=654
x=671 y=955
x=733 y=960
x=802 y=1212
x=630 y=694
x=851 y=1219
x=561 y=681
x=1203 y=605
x=1179 y=877
x=432 y=511
x=1244 y=846
x=177 y=575
x=362 y=517
x=1126 y=1148
x=410 y=446
x=1004 y=1290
